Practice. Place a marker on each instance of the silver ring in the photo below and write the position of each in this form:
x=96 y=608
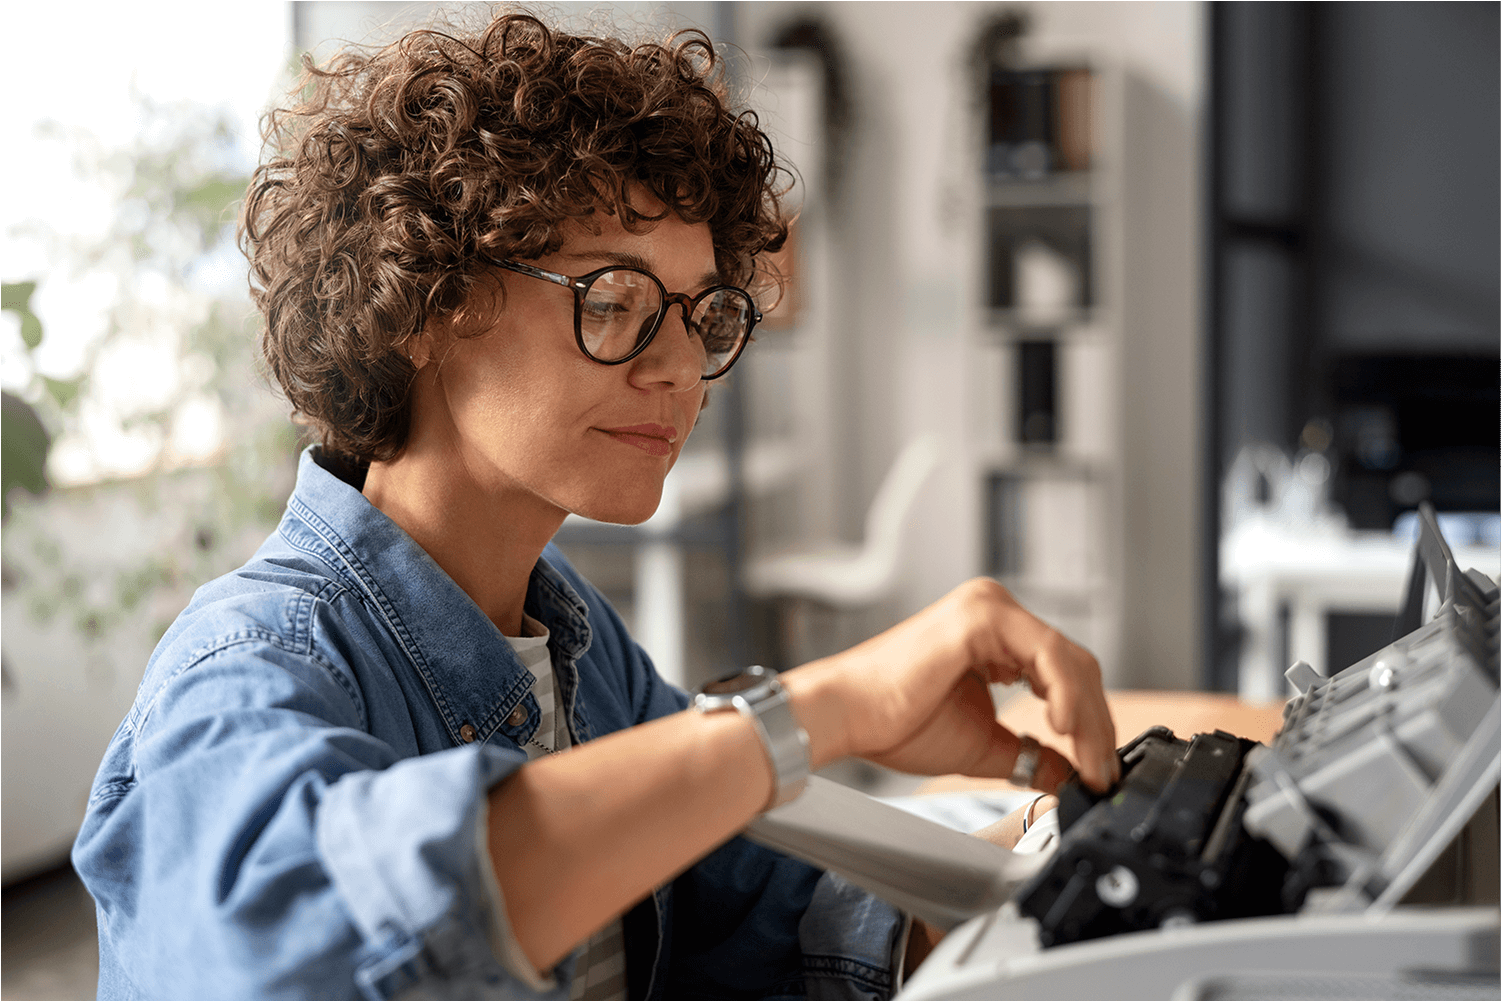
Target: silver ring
x=1027 y=759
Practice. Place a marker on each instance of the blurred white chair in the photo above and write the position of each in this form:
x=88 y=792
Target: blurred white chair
x=843 y=576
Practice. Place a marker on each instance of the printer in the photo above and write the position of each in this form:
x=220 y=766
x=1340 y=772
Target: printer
x=1355 y=857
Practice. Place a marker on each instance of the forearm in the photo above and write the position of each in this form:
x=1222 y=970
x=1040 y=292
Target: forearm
x=576 y=839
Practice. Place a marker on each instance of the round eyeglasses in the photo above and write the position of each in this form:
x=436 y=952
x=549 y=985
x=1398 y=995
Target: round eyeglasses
x=618 y=310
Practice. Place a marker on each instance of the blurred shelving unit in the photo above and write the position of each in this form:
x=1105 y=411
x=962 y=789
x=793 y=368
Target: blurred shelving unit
x=1044 y=439
x=1085 y=415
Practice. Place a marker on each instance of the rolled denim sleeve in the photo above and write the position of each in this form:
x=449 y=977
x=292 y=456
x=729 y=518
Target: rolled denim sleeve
x=851 y=942
x=247 y=837
x=412 y=877
x=503 y=941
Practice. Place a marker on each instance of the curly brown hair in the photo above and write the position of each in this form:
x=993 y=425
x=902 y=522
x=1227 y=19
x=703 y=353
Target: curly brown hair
x=403 y=167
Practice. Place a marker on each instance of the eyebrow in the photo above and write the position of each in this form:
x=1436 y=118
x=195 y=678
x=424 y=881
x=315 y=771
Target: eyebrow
x=630 y=260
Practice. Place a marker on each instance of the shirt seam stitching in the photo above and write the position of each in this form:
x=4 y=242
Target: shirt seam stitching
x=220 y=645
x=843 y=966
x=316 y=524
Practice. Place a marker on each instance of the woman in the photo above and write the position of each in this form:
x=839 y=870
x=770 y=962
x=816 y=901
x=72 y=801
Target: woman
x=497 y=271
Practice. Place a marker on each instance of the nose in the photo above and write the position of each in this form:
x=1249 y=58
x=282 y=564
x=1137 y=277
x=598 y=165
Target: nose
x=675 y=357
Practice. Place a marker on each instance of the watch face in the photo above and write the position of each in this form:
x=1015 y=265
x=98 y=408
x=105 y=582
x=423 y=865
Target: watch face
x=742 y=681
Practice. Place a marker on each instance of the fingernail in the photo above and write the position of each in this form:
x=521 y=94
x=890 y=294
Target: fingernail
x=1105 y=768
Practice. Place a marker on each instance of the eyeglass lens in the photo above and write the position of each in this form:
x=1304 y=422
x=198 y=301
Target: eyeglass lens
x=621 y=307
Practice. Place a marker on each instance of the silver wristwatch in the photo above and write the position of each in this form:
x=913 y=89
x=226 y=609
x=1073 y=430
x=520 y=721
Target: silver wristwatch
x=757 y=694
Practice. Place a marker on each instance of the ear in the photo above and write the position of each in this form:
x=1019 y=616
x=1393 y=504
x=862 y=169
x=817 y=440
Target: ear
x=419 y=349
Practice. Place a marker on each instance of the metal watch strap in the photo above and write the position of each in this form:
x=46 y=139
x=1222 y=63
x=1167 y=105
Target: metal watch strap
x=786 y=742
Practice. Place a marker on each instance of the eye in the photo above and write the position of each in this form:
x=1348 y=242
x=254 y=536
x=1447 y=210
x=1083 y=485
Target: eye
x=718 y=332
x=602 y=309
x=721 y=321
x=619 y=295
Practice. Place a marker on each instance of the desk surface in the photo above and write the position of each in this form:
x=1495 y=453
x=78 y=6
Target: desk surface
x=1185 y=713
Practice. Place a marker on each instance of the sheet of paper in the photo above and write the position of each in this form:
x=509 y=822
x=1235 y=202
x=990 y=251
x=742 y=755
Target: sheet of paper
x=924 y=868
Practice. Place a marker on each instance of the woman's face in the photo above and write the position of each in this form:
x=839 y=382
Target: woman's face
x=528 y=416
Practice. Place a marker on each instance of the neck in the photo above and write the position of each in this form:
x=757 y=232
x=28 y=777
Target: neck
x=487 y=539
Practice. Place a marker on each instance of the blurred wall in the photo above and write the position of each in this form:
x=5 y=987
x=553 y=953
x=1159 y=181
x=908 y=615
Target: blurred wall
x=1357 y=154
x=1410 y=163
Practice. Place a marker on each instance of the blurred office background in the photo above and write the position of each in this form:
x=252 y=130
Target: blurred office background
x=1165 y=314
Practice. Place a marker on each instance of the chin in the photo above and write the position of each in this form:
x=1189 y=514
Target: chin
x=620 y=510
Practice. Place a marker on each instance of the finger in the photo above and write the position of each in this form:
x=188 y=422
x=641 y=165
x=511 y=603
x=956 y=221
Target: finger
x=1065 y=676
x=1104 y=724
x=1018 y=634
x=1069 y=680
x=1052 y=771
x=1101 y=726
x=1005 y=750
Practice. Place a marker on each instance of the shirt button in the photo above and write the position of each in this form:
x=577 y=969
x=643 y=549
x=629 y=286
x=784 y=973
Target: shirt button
x=517 y=717
x=467 y=733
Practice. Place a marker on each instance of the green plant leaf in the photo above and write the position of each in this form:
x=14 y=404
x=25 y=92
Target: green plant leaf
x=64 y=391
x=214 y=195
x=23 y=450
x=17 y=296
x=31 y=329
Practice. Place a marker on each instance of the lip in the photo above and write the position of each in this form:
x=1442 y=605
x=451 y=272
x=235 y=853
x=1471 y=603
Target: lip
x=647 y=430
x=654 y=439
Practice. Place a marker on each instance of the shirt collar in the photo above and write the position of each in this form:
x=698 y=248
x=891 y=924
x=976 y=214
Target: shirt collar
x=470 y=670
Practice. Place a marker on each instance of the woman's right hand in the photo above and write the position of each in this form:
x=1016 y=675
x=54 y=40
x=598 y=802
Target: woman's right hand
x=915 y=697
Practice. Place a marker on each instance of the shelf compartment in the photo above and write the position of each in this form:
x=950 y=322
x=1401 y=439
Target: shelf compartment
x=1075 y=188
x=1046 y=530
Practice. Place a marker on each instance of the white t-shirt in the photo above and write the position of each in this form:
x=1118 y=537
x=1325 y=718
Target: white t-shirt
x=600 y=975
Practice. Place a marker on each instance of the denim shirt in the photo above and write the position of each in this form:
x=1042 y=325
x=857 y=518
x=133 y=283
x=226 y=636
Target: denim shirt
x=294 y=805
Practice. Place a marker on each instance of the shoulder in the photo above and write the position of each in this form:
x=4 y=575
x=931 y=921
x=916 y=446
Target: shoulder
x=283 y=621
x=260 y=661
